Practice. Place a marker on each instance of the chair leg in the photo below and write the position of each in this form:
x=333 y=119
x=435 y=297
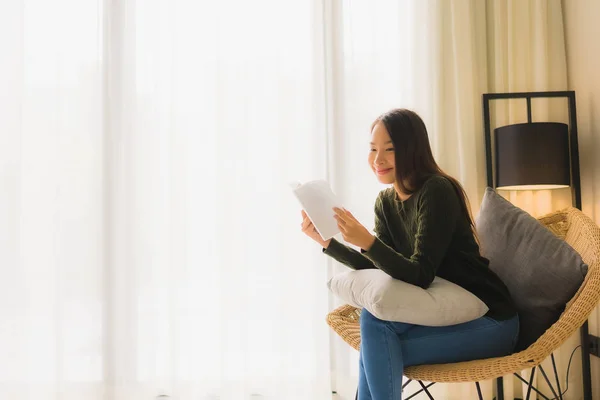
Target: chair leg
x=415 y=394
x=426 y=391
x=585 y=361
x=560 y=396
x=530 y=383
x=479 y=391
x=500 y=388
x=542 y=395
x=556 y=396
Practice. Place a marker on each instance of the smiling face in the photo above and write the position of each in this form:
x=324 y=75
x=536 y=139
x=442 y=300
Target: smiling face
x=381 y=155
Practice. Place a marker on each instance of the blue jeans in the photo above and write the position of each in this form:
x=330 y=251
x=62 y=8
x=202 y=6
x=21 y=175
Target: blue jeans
x=388 y=347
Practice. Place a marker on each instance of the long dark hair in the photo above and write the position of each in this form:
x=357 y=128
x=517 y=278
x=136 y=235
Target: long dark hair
x=414 y=158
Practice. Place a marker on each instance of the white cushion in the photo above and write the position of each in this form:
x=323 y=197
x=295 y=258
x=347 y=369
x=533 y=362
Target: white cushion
x=442 y=304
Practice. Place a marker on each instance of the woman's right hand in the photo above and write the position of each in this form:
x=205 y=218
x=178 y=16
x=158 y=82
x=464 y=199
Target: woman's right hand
x=309 y=230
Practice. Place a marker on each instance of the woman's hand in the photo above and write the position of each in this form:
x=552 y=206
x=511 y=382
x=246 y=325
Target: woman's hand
x=352 y=230
x=309 y=230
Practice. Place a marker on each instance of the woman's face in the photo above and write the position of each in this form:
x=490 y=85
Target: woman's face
x=381 y=154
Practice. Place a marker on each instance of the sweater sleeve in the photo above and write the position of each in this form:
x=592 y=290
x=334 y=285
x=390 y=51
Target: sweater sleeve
x=348 y=256
x=438 y=210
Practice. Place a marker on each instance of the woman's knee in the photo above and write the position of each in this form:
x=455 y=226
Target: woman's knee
x=368 y=319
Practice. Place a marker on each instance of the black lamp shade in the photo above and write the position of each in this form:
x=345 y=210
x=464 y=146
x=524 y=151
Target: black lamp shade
x=532 y=156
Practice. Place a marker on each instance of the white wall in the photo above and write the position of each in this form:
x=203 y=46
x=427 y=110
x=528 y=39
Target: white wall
x=582 y=25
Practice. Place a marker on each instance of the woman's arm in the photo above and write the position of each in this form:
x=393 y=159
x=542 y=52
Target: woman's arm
x=348 y=256
x=438 y=211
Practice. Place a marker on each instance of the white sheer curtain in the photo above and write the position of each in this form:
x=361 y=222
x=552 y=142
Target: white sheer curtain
x=215 y=292
x=150 y=243
x=51 y=207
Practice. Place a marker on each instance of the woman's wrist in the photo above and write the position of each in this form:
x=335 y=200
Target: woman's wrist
x=368 y=243
x=326 y=244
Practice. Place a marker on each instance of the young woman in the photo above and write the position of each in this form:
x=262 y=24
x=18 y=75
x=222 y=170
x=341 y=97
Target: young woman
x=423 y=229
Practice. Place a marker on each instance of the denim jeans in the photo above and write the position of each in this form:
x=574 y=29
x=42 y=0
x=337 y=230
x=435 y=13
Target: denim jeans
x=388 y=347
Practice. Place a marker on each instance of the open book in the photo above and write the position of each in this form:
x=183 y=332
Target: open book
x=318 y=200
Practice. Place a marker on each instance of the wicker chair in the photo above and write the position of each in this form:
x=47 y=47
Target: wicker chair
x=584 y=236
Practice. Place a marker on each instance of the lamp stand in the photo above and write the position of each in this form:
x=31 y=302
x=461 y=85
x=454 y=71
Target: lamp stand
x=587 y=340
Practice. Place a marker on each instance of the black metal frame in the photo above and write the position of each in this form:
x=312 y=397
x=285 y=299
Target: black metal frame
x=575 y=194
x=558 y=395
x=573 y=143
x=556 y=392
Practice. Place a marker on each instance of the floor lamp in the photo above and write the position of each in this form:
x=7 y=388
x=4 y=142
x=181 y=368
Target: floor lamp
x=536 y=156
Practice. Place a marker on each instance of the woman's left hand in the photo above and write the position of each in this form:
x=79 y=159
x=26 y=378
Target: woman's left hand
x=353 y=231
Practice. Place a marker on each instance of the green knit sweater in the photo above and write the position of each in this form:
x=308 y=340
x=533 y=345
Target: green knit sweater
x=425 y=236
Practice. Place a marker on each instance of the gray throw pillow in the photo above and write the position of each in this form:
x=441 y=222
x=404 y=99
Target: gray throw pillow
x=542 y=272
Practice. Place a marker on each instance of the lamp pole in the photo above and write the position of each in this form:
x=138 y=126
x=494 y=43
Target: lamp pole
x=575 y=193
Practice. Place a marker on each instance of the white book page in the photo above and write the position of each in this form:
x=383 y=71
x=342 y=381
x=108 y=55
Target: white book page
x=318 y=200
